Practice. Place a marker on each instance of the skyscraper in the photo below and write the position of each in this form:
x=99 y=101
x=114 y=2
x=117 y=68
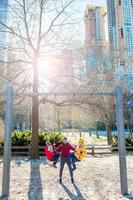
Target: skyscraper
x=94 y=24
x=3 y=19
x=112 y=27
x=94 y=34
x=120 y=26
x=120 y=21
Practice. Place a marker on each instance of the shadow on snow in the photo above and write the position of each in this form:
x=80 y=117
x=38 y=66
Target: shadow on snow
x=71 y=195
x=35 y=188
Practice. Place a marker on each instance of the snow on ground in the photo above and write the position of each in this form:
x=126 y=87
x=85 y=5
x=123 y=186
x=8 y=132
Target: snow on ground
x=97 y=178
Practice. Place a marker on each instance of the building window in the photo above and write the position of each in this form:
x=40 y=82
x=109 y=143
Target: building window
x=119 y=2
x=122 y=32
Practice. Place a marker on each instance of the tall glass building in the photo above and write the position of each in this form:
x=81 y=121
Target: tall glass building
x=120 y=25
x=127 y=13
x=3 y=19
x=94 y=32
x=112 y=26
x=94 y=24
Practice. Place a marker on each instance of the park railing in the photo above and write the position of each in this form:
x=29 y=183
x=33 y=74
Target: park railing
x=23 y=150
x=98 y=149
x=127 y=148
x=91 y=149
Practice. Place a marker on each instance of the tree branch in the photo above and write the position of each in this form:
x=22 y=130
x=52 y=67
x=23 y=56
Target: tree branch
x=58 y=15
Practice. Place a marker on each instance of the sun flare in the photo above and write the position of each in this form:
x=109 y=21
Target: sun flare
x=45 y=66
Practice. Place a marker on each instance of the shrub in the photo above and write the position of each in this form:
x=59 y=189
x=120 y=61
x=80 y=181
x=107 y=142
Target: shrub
x=128 y=141
x=23 y=138
x=1 y=143
x=53 y=137
x=115 y=141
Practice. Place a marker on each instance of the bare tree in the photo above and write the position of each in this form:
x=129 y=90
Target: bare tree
x=33 y=31
x=100 y=78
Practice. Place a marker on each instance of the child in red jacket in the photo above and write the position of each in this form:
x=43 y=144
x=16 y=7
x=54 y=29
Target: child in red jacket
x=51 y=154
x=65 y=149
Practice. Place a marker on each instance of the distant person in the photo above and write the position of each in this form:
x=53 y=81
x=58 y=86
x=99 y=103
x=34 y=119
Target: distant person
x=65 y=149
x=51 y=155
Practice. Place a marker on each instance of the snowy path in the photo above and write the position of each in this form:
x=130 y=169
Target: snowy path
x=97 y=178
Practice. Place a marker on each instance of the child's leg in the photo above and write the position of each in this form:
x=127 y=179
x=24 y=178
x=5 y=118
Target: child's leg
x=49 y=162
x=56 y=158
x=69 y=167
x=73 y=160
x=62 y=163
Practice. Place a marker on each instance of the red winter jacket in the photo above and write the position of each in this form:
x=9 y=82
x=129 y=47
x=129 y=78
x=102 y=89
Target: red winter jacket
x=49 y=152
x=65 y=149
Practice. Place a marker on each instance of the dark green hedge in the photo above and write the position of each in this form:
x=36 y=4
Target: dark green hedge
x=23 y=138
x=128 y=141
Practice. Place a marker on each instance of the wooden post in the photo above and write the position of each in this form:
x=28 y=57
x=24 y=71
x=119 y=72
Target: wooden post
x=93 y=153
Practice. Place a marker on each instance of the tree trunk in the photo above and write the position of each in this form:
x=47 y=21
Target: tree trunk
x=80 y=133
x=129 y=129
x=30 y=122
x=21 y=125
x=59 y=123
x=35 y=119
x=89 y=132
x=109 y=135
x=97 y=134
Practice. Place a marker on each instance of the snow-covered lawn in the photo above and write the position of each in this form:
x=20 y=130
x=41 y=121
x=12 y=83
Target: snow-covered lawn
x=96 y=178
